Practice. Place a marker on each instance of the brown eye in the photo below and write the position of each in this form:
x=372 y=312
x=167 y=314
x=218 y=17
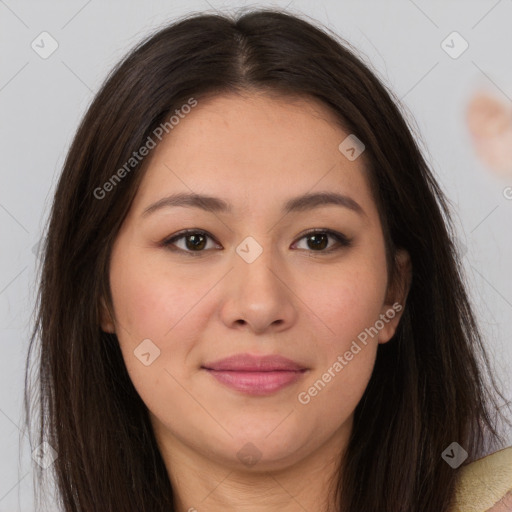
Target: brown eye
x=318 y=240
x=194 y=241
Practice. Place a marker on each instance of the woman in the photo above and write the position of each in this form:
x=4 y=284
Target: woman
x=250 y=297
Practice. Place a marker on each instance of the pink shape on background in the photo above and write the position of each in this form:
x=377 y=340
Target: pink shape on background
x=490 y=124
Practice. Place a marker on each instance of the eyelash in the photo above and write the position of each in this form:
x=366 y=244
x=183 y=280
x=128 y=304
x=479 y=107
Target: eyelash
x=342 y=240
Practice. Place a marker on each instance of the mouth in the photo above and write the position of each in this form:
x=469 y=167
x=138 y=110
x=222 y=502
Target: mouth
x=256 y=375
x=257 y=383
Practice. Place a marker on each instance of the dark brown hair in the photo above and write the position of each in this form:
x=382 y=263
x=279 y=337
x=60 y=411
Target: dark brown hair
x=429 y=386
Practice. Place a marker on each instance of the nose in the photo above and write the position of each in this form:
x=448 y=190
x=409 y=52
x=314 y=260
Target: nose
x=259 y=293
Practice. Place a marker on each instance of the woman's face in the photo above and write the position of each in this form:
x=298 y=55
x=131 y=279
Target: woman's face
x=248 y=280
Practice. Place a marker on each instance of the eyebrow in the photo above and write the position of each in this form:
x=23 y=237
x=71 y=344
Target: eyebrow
x=215 y=204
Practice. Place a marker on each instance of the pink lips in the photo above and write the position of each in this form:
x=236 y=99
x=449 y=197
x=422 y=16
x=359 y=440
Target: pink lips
x=256 y=375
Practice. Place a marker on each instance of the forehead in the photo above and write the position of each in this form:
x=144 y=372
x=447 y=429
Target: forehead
x=254 y=150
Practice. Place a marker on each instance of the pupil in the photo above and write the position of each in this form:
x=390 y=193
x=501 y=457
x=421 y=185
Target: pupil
x=315 y=240
x=196 y=242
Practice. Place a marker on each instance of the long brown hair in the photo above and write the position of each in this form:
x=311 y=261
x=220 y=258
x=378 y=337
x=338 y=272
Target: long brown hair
x=429 y=386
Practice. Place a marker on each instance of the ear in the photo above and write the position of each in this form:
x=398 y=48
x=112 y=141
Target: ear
x=106 y=321
x=396 y=296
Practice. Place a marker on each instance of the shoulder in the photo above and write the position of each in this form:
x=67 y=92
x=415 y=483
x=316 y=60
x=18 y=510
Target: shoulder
x=486 y=484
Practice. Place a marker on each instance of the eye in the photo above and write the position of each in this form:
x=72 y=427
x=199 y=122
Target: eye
x=196 y=241
x=318 y=239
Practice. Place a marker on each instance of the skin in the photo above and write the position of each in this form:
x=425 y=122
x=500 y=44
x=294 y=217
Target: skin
x=504 y=505
x=256 y=152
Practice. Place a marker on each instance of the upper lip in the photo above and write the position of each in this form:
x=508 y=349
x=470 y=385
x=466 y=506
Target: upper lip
x=251 y=363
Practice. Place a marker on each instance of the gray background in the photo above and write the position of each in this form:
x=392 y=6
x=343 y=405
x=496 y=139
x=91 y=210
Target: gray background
x=42 y=101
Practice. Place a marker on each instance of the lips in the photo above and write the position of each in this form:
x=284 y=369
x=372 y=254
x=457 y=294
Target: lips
x=250 y=363
x=256 y=375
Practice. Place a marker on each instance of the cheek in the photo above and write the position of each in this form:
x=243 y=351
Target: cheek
x=345 y=357
x=149 y=306
x=350 y=301
x=152 y=305
x=349 y=305
x=148 y=300
x=141 y=303
x=332 y=394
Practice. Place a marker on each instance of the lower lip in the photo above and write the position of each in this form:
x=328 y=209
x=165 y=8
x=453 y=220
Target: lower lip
x=257 y=383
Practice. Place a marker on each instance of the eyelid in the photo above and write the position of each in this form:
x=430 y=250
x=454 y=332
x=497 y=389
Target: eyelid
x=342 y=240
